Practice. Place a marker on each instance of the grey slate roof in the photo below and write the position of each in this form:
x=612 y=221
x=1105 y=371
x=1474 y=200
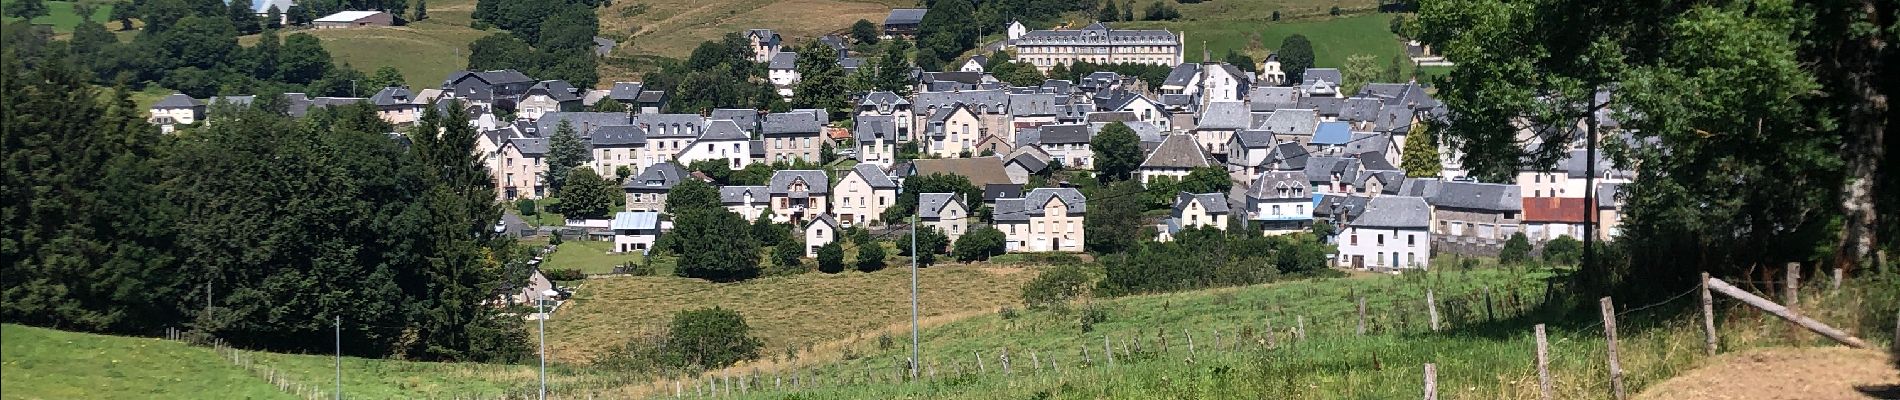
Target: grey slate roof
x=1478 y=196
x=747 y=119
x=1029 y=162
x=1291 y=121
x=625 y=92
x=723 y=130
x=881 y=98
x=995 y=191
x=730 y=195
x=783 y=60
x=1182 y=74
x=1252 y=139
x=792 y=123
x=1225 y=115
x=874 y=176
x=1269 y=98
x=617 y=135
x=1291 y=155
x=873 y=127
x=981 y=100
x=1065 y=134
x=1026 y=105
x=531 y=146
x=1324 y=105
x=558 y=90
x=390 y=96
x=1395 y=212
x=581 y=121
x=1361 y=109
x=931 y=205
x=661 y=176
x=654 y=122
x=1215 y=203
x=1268 y=184
x=1322 y=168
x=1331 y=75
x=816 y=180
x=178 y=100
x=1368 y=142
x=905 y=16
x=1177 y=151
x=1033 y=203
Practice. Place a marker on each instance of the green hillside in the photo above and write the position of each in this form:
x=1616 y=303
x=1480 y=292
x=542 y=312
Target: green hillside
x=48 y=364
x=60 y=15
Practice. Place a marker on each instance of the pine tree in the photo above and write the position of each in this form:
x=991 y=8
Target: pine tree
x=1109 y=13
x=565 y=151
x=421 y=12
x=1420 y=159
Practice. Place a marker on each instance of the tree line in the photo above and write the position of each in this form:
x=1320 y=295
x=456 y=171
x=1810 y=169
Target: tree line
x=544 y=39
x=252 y=227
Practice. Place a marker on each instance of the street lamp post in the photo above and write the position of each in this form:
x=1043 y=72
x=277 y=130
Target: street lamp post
x=543 y=322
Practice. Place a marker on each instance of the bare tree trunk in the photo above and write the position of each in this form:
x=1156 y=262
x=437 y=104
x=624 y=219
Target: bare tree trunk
x=1857 y=63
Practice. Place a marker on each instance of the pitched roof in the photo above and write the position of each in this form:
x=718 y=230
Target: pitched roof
x=1395 y=212
x=558 y=90
x=1029 y=162
x=874 y=176
x=1269 y=98
x=736 y=195
x=1035 y=202
x=581 y=121
x=823 y=219
x=1215 y=203
x=1177 y=151
x=661 y=176
x=870 y=128
x=1333 y=133
x=178 y=100
x=723 y=130
x=882 y=98
x=1065 y=134
x=1225 y=115
x=1251 y=139
x=1291 y=121
x=1268 y=184
x=1556 y=209
x=748 y=119
x=816 y=181
x=347 y=16
x=905 y=16
x=1033 y=104
x=931 y=205
x=263 y=6
x=994 y=191
x=980 y=170
x=792 y=123
x=617 y=135
x=783 y=60
x=625 y=91
x=635 y=220
x=530 y=146
x=391 y=96
x=1182 y=75
x=1477 y=196
x=1331 y=75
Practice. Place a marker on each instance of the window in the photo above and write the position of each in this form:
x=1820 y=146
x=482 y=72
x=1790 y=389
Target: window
x=1411 y=240
x=1380 y=260
x=1276 y=210
x=1299 y=209
x=1355 y=239
x=1381 y=239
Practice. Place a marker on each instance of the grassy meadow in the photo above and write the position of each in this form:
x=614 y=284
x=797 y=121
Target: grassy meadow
x=671 y=28
x=425 y=51
x=1334 y=38
x=61 y=16
x=43 y=363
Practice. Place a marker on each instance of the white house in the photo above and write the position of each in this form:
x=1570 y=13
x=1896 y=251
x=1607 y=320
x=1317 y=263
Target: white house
x=1218 y=122
x=782 y=72
x=799 y=195
x=1270 y=72
x=1195 y=210
x=1391 y=232
x=1068 y=144
x=890 y=105
x=876 y=137
x=764 y=43
x=1044 y=219
x=945 y=212
x=1177 y=156
x=722 y=140
x=176 y=109
x=953 y=131
x=974 y=64
x=750 y=202
x=1143 y=108
x=822 y=231
x=1016 y=30
x=1279 y=202
x=862 y=195
x=635 y=231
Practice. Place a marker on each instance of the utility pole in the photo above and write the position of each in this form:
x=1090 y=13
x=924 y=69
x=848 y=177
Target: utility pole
x=913 y=296
x=339 y=357
x=542 y=305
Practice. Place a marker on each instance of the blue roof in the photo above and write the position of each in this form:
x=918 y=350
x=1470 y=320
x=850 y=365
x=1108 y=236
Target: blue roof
x=1333 y=132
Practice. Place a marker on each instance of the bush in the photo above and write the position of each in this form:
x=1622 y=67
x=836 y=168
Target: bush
x=1056 y=286
x=980 y=244
x=831 y=258
x=870 y=254
x=788 y=254
x=709 y=338
x=563 y=274
x=555 y=238
x=1517 y=250
x=1564 y=250
x=636 y=268
x=930 y=242
x=525 y=207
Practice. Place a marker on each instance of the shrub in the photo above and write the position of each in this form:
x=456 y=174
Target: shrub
x=636 y=268
x=1056 y=286
x=980 y=244
x=1563 y=250
x=555 y=238
x=1516 y=250
x=563 y=274
x=525 y=207
x=870 y=254
x=831 y=258
x=710 y=338
x=788 y=254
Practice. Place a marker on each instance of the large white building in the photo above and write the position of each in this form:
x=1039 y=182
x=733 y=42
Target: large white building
x=1098 y=44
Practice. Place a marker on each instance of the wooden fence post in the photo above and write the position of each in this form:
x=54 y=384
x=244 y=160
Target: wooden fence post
x=1609 y=336
x=1362 y=316
x=1270 y=335
x=979 y=361
x=1708 y=317
x=1035 y=362
x=1300 y=331
x=1005 y=360
x=1488 y=316
x=1108 y=351
x=1431 y=303
x=1431 y=381
x=1190 y=340
x=1835 y=285
x=1791 y=297
x=1543 y=363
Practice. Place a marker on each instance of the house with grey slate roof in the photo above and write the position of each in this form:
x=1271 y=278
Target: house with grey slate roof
x=668 y=135
x=764 y=43
x=1249 y=152
x=615 y=147
x=822 y=230
x=548 y=96
x=1097 y=43
x=945 y=212
x=647 y=191
x=862 y=195
x=903 y=22
x=1475 y=218
x=1044 y=219
x=1068 y=145
x=723 y=141
x=799 y=195
x=750 y=202
x=782 y=71
x=1291 y=125
x=1280 y=202
x=1217 y=124
x=1176 y=157
x=797 y=135
x=884 y=103
x=176 y=109
x=1322 y=82
x=521 y=162
x=1389 y=233
x=876 y=137
x=397 y=105
x=497 y=88
x=1195 y=210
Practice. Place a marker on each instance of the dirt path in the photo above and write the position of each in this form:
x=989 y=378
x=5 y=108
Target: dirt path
x=1818 y=373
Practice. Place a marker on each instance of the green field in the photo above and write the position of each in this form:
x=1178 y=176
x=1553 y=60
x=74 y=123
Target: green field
x=592 y=257
x=672 y=28
x=425 y=51
x=60 y=15
x=1333 y=39
x=48 y=364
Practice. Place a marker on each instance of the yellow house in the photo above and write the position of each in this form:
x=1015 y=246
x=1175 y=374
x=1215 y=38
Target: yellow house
x=1044 y=219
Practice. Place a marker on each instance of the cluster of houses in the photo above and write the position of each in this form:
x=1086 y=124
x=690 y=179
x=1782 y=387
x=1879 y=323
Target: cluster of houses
x=1297 y=152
